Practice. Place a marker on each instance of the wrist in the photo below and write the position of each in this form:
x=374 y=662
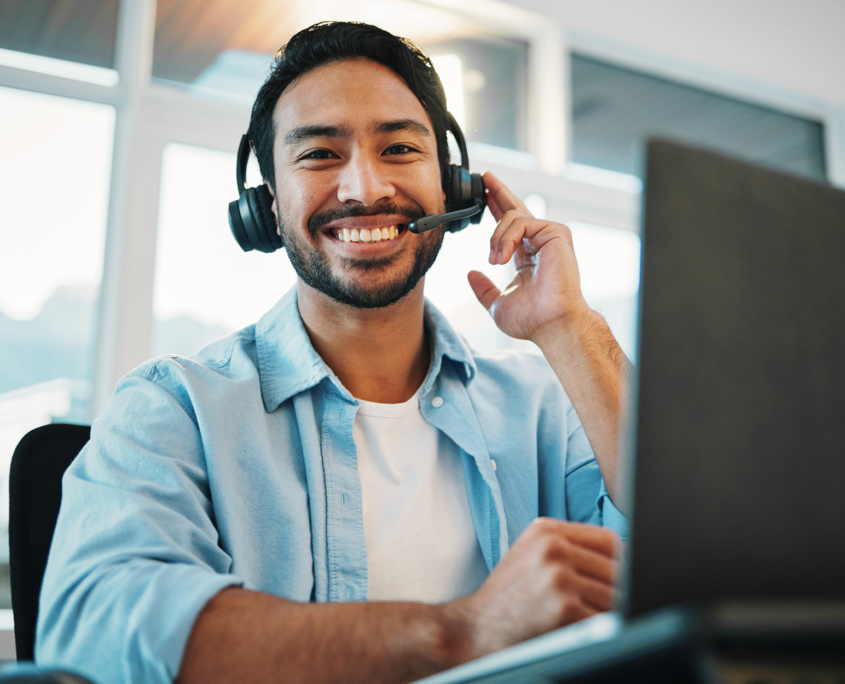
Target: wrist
x=568 y=325
x=457 y=633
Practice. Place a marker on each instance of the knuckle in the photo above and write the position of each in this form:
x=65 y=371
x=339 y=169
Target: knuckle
x=542 y=525
x=569 y=606
x=558 y=550
x=564 y=579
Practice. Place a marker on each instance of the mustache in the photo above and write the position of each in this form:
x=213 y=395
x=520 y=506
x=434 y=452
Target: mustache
x=317 y=221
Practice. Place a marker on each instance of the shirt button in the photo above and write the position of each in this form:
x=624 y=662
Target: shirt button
x=493 y=463
x=437 y=402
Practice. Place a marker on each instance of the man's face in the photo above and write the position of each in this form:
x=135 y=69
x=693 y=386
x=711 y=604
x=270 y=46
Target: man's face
x=356 y=161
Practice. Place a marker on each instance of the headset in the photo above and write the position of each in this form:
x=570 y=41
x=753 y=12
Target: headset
x=254 y=226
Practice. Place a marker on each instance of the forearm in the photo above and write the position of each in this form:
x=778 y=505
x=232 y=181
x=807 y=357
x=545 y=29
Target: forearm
x=595 y=372
x=248 y=636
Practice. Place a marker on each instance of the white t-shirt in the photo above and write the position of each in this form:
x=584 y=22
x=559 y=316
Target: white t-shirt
x=421 y=543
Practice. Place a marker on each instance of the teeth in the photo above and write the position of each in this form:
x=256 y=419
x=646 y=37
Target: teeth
x=367 y=235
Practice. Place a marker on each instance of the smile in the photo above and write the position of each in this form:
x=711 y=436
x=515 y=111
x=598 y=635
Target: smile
x=367 y=234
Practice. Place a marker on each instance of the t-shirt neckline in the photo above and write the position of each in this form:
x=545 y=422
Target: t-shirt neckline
x=376 y=410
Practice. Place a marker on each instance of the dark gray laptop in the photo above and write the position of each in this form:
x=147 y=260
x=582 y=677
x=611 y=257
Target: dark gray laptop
x=739 y=433
x=740 y=445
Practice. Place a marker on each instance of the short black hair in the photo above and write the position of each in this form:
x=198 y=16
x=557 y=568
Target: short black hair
x=333 y=41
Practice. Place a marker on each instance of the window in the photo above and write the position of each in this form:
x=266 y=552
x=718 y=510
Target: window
x=55 y=163
x=615 y=109
x=61 y=37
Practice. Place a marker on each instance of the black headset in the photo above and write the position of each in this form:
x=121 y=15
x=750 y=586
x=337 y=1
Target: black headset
x=254 y=225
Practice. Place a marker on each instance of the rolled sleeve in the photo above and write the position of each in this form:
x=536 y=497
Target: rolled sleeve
x=136 y=555
x=610 y=516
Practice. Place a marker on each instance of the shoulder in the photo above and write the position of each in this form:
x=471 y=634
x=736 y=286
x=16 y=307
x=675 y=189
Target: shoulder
x=231 y=359
x=518 y=370
x=518 y=383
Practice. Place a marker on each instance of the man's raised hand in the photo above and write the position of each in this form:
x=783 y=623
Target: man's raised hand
x=546 y=288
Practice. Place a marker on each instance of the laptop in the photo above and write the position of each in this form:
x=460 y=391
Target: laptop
x=738 y=440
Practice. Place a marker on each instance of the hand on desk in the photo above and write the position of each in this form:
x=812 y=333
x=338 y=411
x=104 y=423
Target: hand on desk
x=555 y=574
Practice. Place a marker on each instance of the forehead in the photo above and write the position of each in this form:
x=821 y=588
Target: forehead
x=353 y=92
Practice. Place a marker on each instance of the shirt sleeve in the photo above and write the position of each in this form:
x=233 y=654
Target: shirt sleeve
x=135 y=555
x=586 y=495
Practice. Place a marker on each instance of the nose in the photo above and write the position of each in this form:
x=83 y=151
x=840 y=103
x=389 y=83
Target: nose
x=362 y=181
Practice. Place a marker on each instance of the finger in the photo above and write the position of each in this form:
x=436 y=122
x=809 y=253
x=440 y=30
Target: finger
x=595 y=594
x=577 y=610
x=494 y=207
x=484 y=289
x=504 y=198
x=590 y=563
x=536 y=231
x=599 y=539
x=505 y=223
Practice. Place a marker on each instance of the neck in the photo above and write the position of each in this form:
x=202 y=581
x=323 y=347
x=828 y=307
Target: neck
x=380 y=355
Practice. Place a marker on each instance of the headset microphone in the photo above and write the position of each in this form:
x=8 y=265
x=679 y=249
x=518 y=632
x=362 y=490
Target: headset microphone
x=427 y=223
x=254 y=226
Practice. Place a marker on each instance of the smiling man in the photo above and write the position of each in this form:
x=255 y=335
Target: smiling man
x=345 y=491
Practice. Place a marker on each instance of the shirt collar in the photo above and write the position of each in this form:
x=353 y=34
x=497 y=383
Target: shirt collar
x=288 y=363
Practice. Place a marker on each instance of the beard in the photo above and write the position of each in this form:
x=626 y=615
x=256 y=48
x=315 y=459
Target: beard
x=312 y=265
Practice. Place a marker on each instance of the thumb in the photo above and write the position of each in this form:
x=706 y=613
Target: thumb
x=484 y=289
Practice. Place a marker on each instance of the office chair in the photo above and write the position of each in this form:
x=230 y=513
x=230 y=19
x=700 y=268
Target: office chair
x=35 y=493
x=27 y=673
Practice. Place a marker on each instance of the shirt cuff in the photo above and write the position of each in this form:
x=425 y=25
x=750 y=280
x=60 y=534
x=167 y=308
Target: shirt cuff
x=612 y=517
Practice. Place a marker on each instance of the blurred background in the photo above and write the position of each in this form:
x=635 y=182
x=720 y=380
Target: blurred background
x=119 y=121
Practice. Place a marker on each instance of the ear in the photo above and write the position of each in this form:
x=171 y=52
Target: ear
x=273 y=195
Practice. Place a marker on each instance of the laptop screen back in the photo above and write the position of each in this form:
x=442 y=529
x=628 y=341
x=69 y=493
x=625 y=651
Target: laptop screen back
x=739 y=488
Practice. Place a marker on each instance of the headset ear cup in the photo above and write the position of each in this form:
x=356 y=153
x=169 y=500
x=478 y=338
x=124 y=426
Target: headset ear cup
x=447 y=188
x=266 y=217
x=460 y=195
x=479 y=194
x=251 y=237
x=237 y=225
x=262 y=227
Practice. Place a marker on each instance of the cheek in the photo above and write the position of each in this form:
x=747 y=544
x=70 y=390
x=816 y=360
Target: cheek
x=427 y=192
x=299 y=199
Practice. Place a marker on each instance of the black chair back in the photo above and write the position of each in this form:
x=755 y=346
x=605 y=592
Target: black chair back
x=35 y=494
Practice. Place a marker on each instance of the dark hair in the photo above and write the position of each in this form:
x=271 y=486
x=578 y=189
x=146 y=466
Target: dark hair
x=333 y=41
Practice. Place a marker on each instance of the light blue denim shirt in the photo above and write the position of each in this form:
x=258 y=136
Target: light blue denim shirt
x=237 y=467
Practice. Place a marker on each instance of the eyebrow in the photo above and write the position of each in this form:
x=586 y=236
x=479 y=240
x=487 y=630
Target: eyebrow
x=401 y=125
x=300 y=133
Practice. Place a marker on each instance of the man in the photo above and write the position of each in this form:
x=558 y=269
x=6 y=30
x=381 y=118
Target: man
x=234 y=512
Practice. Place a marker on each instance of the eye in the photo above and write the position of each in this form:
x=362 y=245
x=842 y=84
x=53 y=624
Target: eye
x=400 y=149
x=318 y=154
